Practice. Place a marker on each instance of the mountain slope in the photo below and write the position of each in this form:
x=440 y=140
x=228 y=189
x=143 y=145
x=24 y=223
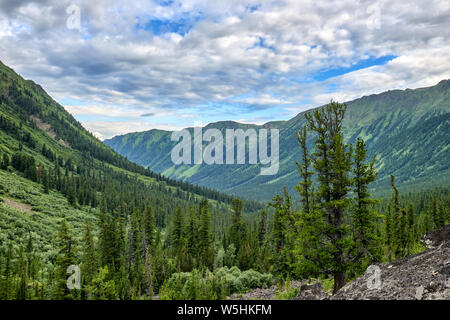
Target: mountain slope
x=406 y=129
x=57 y=170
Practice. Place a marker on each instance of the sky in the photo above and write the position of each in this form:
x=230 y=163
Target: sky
x=126 y=66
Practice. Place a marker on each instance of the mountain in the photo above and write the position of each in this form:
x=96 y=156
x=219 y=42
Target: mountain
x=51 y=168
x=406 y=129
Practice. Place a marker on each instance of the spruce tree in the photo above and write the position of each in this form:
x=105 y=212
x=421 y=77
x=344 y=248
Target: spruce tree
x=367 y=244
x=238 y=228
x=89 y=259
x=262 y=228
x=7 y=281
x=5 y=162
x=305 y=184
x=389 y=232
x=22 y=292
x=205 y=235
x=283 y=233
x=148 y=226
x=177 y=232
x=45 y=181
x=65 y=258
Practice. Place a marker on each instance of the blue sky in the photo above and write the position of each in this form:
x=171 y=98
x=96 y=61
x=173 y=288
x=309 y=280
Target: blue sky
x=141 y=65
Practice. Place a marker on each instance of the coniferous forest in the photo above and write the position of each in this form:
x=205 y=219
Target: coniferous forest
x=68 y=201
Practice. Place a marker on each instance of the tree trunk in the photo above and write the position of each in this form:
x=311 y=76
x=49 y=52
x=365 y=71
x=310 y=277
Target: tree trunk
x=339 y=280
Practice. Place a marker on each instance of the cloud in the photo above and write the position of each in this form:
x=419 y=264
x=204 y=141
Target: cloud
x=233 y=59
x=149 y=114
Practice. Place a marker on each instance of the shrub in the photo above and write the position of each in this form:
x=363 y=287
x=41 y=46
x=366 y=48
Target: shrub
x=210 y=286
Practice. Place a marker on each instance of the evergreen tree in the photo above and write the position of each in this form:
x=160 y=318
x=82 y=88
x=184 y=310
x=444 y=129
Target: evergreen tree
x=305 y=184
x=65 y=258
x=46 y=181
x=177 y=232
x=367 y=244
x=283 y=233
x=238 y=228
x=400 y=229
x=7 y=284
x=89 y=260
x=21 y=292
x=389 y=230
x=205 y=236
x=148 y=226
x=262 y=228
x=5 y=162
x=332 y=161
x=192 y=237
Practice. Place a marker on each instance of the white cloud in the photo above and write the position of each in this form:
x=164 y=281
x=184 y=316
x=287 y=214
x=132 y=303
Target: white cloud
x=266 y=52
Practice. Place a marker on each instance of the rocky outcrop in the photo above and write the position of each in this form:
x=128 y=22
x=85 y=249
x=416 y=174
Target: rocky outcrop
x=312 y=291
x=306 y=291
x=424 y=276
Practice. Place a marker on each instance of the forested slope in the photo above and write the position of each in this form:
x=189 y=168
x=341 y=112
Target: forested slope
x=406 y=129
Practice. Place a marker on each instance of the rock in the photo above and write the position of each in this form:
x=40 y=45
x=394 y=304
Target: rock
x=307 y=291
x=424 y=276
x=419 y=293
x=311 y=292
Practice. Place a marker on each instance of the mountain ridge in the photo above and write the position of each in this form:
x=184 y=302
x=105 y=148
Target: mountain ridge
x=378 y=118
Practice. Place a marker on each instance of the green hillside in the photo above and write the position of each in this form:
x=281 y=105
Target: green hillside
x=53 y=170
x=406 y=129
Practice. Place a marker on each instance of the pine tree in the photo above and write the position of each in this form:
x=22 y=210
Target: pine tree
x=22 y=293
x=437 y=214
x=177 y=232
x=400 y=229
x=65 y=258
x=412 y=225
x=304 y=186
x=45 y=181
x=5 y=162
x=148 y=277
x=283 y=233
x=192 y=237
x=332 y=161
x=89 y=259
x=238 y=228
x=262 y=228
x=6 y=292
x=158 y=263
x=366 y=242
x=389 y=232
x=148 y=226
x=205 y=235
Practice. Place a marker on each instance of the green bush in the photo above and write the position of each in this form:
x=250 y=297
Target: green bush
x=285 y=291
x=195 y=285
x=210 y=286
